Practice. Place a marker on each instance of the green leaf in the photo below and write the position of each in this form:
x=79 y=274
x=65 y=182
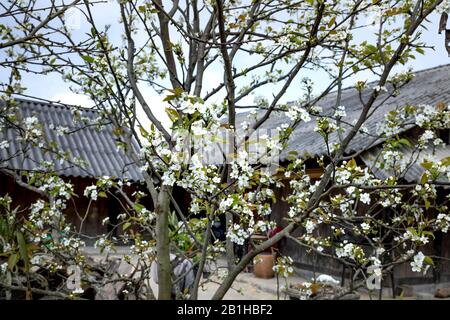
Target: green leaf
x=138 y=207
x=420 y=50
x=412 y=230
x=126 y=225
x=172 y=113
x=427 y=204
x=88 y=59
x=23 y=248
x=351 y=164
x=427 y=165
x=428 y=260
x=144 y=132
x=429 y=233
x=404 y=142
x=424 y=179
x=102 y=194
x=332 y=20
x=169 y=97
x=446 y=161
x=12 y=261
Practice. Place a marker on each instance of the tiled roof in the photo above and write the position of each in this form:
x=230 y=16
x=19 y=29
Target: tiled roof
x=96 y=146
x=414 y=171
x=428 y=87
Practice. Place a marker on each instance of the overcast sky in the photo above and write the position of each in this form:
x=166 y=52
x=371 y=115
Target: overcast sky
x=52 y=87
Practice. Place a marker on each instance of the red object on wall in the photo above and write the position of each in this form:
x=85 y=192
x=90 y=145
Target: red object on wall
x=271 y=234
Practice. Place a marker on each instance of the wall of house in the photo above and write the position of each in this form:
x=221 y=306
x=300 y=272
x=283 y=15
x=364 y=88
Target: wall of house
x=309 y=261
x=444 y=264
x=85 y=216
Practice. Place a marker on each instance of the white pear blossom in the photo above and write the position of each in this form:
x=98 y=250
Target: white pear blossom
x=380 y=88
x=365 y=227
x=91 y=192
x=295 y=112
x=340 y=112
x=310 y=226
x=365 y=198
x=417 y=262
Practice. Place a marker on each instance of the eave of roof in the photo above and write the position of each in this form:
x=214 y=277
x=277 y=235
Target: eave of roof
x=96 y=147
x=414 y=171
x=429 y=86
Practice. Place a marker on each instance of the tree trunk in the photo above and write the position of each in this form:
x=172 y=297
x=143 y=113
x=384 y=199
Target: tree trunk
x=163 y=245
x=229 y=244
x=228 y=281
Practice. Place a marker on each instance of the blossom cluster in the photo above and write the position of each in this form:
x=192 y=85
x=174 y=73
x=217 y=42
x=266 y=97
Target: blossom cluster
x=283 y=266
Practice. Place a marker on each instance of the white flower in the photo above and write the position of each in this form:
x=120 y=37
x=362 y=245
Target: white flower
x=350 y=190
x=60 y=130
x=245 y=125
x=428 y=135
x=365 y=198
x=188 y=107
x=168 y=178
x=310 y=226
x=380 y=251
x=421 y=119
x=295 y=112
x=316 y=109
x=344 y=251
x=91 y=192
x=365 y=226
x=198 y=128
x=30 y=122
x=443 y=222
x=424 y=239
x=225 y=204
x=417 y=264
x=438 y=141
x=340 y=112
x=105 y=221
x=378 y=89
x=284 y=41
x=3 y=267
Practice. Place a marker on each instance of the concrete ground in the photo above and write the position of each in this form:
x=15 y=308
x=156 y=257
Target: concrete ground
x=248 y=287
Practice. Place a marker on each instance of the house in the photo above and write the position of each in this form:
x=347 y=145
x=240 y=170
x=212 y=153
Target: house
x=432 y=87
x=91 y=153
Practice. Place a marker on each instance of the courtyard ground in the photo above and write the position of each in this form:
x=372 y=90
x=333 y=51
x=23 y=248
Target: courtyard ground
x=248 y=287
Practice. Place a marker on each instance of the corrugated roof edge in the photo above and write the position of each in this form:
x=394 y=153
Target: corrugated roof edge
x=35 y=103
x=415 y=72
x=46 y=102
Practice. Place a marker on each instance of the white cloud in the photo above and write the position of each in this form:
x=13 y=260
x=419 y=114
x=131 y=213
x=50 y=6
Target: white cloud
x=212 y=79
x=158 y=107
x=156 y=103
x=73 y=99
